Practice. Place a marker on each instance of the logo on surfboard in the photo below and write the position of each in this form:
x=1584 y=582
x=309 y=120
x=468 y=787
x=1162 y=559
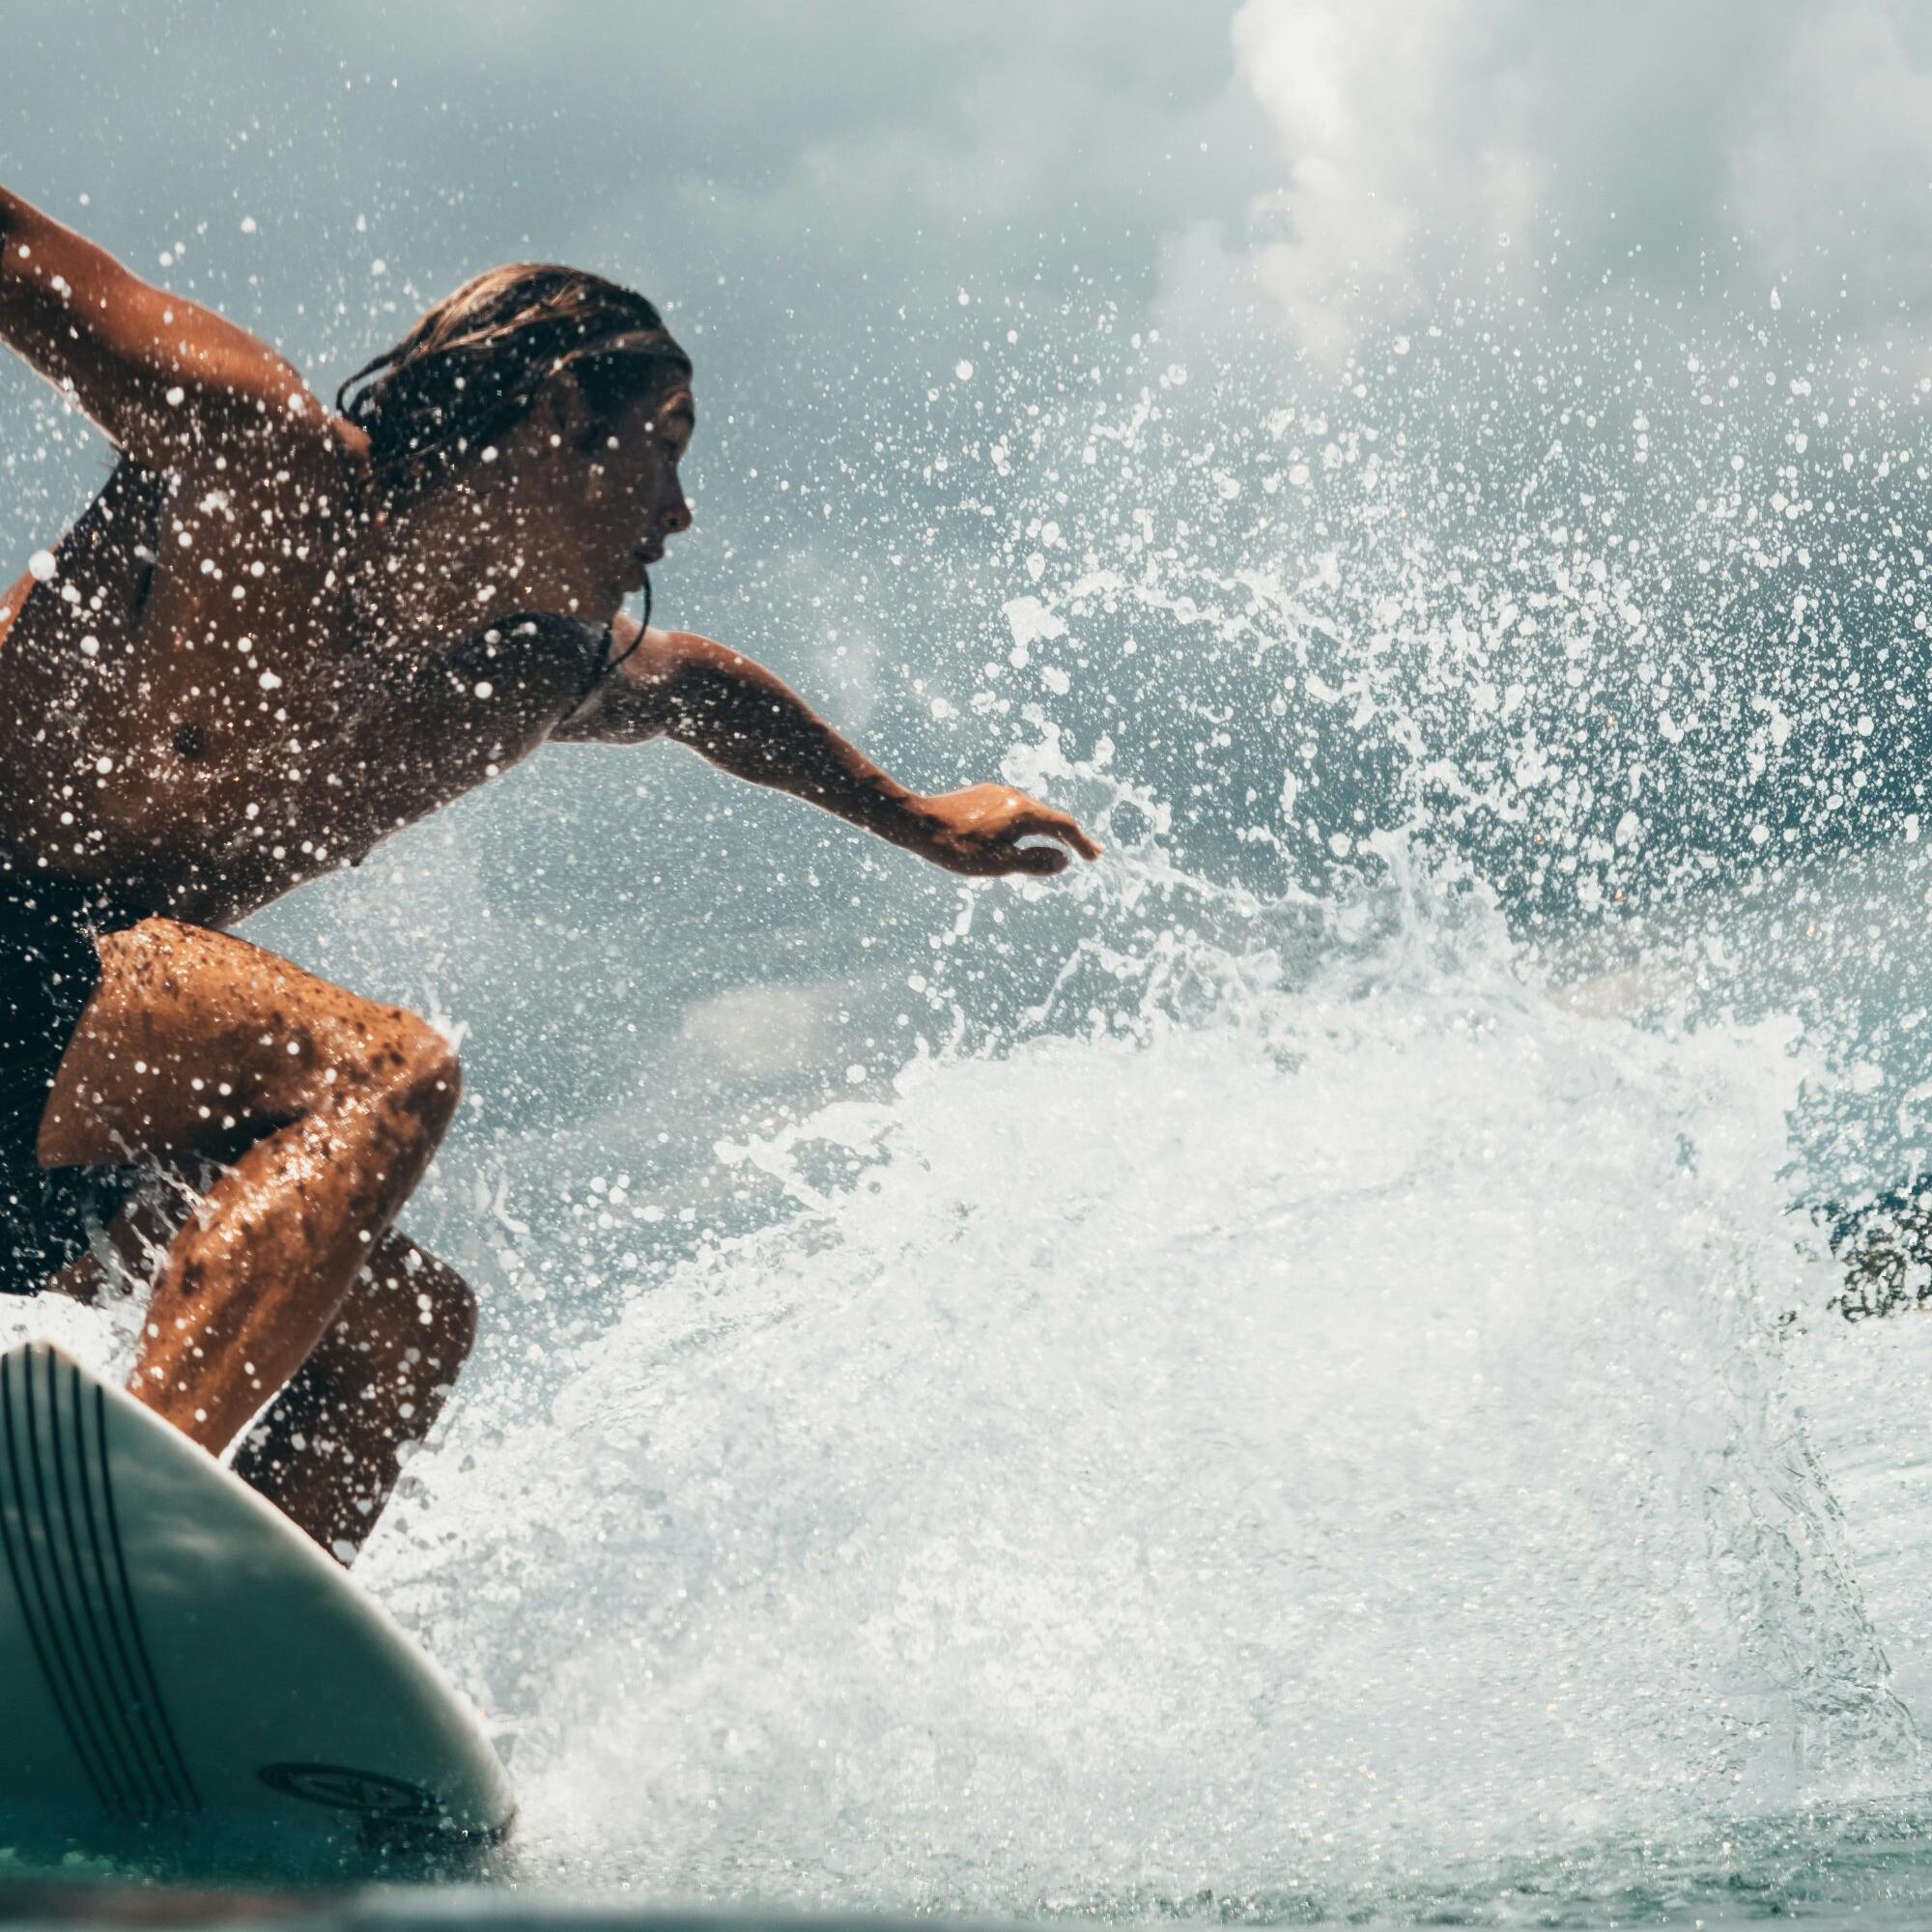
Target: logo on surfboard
x=365 y=1794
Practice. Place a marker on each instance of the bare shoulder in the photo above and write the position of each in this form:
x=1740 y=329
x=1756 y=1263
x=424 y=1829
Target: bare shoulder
x=350 y=441
x=631 y=702
x=311 y=469
x=173 y=383
x=343 y=461
x=250 y=529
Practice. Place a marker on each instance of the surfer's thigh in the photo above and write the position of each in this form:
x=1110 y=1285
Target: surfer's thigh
x=198 y=1042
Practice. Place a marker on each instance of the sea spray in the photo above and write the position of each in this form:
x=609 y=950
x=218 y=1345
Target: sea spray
x=1299 y=1444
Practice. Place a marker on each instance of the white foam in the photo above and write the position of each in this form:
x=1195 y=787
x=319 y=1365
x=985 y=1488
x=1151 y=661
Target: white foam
x=1301 y=1448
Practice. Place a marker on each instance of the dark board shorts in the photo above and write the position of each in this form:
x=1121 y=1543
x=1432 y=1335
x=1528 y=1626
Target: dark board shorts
x=49 y=970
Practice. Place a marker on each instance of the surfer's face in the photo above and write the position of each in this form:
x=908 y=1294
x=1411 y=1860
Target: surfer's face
x=641 y=467
x=626 y=500
x=587 y=500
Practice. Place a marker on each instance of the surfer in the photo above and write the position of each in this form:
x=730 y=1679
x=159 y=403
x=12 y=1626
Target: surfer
x=279 y=633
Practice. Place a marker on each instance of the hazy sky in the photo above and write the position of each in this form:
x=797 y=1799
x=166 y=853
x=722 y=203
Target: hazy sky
x=1787 y=140
x=784 y=174
x=826 y=160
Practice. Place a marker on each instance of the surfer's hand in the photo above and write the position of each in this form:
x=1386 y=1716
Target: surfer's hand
x=978 y=831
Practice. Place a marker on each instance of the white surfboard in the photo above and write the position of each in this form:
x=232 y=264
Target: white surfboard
x=176 y=1658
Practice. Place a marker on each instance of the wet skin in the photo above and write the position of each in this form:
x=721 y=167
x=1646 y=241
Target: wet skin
x=250 y=665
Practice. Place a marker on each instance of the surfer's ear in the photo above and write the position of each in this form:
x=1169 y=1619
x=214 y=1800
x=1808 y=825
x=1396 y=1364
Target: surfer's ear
x=565 y=413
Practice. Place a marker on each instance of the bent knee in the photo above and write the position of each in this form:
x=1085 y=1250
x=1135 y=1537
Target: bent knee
x=415 y=1066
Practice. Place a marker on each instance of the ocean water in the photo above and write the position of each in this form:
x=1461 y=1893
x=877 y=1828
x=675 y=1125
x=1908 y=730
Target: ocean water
x=1292 y=1375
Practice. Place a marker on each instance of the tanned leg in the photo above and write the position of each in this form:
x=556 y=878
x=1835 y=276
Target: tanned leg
x=330 y=1447
x=198 y=1043
x=329 y=1450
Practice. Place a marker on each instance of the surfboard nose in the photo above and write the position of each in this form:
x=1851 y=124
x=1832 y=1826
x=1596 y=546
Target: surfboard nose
x=175 y=1655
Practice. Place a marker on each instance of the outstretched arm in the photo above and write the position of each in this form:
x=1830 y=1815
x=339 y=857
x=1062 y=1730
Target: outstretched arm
x=675 y=684
x=158 y=373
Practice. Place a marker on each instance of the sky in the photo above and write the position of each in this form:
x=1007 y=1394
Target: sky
x=897 y=237
x=1709 y=153
x=827 y=163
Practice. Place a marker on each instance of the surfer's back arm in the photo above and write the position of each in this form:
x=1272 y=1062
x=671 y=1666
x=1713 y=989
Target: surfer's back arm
x=745 y=720
x=156 y=371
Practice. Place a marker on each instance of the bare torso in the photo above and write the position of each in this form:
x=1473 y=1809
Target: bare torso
x=190 y=711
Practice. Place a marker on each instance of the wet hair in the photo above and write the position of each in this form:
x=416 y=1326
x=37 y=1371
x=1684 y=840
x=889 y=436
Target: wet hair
x=472 y=367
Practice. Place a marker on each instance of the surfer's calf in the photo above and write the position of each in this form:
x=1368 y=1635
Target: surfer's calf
x=332 y=1448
